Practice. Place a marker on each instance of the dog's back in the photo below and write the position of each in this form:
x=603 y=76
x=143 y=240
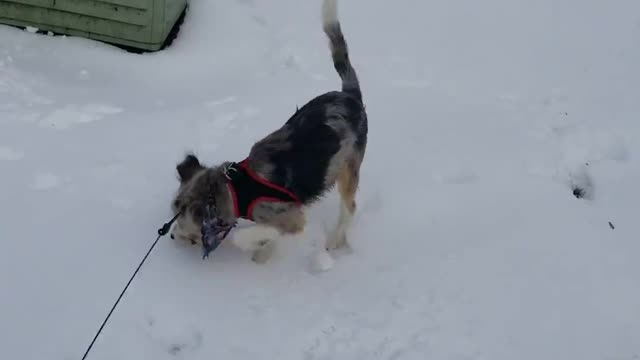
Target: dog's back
x=308 y=154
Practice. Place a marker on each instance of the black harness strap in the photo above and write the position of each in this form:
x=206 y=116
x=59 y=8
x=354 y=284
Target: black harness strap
x=248 y=189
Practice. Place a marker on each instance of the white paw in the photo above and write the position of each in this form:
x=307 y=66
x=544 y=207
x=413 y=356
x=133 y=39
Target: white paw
x=322 y=261
x=264 y=253
x=253 y=238
x=336 y=240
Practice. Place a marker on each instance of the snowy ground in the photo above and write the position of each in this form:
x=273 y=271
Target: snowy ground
x=468 y=242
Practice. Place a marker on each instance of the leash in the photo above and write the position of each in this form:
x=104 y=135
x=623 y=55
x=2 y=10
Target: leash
x=164 y=230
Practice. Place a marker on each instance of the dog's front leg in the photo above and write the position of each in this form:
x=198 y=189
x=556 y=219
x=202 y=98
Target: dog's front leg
x=260 y=239
x=264 y=253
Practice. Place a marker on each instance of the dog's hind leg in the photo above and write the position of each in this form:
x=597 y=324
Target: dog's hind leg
x=348 y=180
x=291 y=222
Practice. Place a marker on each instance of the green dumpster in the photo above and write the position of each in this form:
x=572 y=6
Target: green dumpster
x=137 y=24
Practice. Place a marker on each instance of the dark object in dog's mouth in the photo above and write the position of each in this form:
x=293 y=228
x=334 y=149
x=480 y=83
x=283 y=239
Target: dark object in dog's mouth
x=214 y=231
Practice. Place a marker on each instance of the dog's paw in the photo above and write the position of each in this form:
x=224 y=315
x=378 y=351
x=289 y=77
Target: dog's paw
x=264 y=253
x=336 y=241
x=322 y=261
x=253 y=238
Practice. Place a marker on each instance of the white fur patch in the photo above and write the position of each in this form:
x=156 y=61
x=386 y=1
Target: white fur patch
x=253 y=237
x=322 y=261
x=329 y=12
x=338 y=237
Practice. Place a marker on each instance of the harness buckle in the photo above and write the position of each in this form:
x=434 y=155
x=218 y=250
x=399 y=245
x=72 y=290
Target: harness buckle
x=229 y=168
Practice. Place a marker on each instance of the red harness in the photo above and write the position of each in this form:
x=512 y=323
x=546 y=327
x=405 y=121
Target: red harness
x=248 y=189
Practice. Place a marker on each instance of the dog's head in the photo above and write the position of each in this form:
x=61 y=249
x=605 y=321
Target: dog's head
x=202 y=197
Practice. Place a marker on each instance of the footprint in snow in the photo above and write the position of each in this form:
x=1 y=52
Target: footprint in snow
x=187 y=344
x=581 y=183
x=176 y=339
x=579 y=145
x=579 y=142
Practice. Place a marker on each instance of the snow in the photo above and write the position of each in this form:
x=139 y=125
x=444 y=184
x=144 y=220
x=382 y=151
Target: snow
x=46 y=181
x=468 y=242
x=9 y=154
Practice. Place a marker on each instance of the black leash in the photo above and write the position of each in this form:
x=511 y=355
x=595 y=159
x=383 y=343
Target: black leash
x=164 y=230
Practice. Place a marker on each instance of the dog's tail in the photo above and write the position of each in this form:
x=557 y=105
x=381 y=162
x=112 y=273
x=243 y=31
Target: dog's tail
x=339 y=50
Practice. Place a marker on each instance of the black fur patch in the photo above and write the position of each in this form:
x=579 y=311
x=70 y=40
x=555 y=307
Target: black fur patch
x=302 y=164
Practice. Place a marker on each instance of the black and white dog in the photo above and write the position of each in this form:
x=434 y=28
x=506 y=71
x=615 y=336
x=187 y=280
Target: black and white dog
x=322 y=144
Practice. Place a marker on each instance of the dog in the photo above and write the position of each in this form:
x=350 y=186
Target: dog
x=321 y=145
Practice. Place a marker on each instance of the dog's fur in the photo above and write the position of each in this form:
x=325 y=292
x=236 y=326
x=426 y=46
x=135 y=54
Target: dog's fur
x=322 y=144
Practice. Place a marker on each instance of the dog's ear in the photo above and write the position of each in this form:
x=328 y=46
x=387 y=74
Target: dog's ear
x=188 y=167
